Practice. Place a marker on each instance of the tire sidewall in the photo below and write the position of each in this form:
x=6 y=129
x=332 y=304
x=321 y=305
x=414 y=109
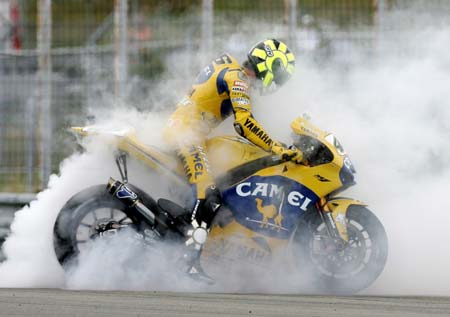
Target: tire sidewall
x=323 y=283
x=71 y=215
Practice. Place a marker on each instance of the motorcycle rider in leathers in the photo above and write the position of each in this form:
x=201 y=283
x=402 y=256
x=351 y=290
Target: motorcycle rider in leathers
x=223 y=88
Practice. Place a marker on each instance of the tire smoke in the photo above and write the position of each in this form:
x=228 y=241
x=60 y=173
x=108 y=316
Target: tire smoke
x=391 y=111
x=392 y=114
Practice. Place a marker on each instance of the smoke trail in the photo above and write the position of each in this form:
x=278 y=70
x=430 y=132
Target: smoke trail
x=31 y=261
x=392 y=115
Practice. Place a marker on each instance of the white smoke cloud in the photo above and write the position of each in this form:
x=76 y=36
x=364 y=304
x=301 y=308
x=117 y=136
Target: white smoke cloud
x=31 y=261
x=392 y=114
x=125 y=262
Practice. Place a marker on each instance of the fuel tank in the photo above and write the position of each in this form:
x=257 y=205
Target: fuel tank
x=227 y=152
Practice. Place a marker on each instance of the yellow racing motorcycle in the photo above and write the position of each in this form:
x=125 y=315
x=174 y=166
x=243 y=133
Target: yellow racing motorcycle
x=274 y=211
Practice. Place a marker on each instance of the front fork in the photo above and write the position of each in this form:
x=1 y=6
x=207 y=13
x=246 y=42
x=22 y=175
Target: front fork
x=333 y=212
x=337 y=230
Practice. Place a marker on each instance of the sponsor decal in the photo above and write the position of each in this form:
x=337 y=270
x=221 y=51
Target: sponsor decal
x=208 y=70
x=245 y=252
x=223 y=59
x=240 y=83
x=253 y=127
x=269 y=205
x=241 y=100
x=205 y=74
x=294 y=198
x=198 y=165
x=258 y=189
x=194 y=212
x=272 y=215
x=230 y=249
x=268 y=50
x=321 y=178
x=238 y=89
x=195 y=163
x=331 y=220
x=340 y=218
x=125 y=192
x=200 y=161
x=314 y=134
x=349 y=164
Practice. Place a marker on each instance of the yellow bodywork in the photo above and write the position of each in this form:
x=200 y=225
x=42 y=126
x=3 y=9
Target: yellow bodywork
x=236 y=241
x=228 y=152
x=338 y=208
x=126 y=141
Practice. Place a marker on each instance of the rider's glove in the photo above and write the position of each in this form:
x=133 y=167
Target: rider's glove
x=291 y=153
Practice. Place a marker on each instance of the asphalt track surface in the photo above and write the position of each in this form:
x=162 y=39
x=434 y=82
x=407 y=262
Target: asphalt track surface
x=55 y=302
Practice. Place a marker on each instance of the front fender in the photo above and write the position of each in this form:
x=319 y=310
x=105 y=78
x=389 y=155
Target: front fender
x=338 y=208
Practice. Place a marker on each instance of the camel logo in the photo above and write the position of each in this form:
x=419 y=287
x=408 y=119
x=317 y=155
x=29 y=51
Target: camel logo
x=294 y=198
x=270 y=205
x=269 y=212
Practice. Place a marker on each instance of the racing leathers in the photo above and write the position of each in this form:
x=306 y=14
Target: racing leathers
x=221 y=89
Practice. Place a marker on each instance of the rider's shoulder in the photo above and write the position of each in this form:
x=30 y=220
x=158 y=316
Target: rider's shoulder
x=237 y=74
x=226 y=59
x=232 y=70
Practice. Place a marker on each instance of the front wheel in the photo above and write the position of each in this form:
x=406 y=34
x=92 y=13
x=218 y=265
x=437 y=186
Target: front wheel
x=342 y=270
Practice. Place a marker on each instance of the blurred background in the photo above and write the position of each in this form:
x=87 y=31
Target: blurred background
x=58 y=58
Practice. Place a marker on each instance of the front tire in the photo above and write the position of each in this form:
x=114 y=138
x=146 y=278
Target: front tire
x=345 y=271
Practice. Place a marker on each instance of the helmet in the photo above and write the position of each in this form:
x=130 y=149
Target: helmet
x=272 y=62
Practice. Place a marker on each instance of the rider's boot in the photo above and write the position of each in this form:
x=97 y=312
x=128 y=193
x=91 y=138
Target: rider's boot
x=202 y=216
x=207 y=202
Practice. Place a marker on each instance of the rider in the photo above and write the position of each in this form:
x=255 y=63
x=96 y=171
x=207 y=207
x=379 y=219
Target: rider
x=222 y=88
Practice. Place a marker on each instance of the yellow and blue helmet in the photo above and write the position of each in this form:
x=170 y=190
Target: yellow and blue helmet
x=273 y=63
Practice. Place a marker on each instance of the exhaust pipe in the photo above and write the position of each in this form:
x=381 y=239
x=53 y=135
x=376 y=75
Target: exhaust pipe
x=120 y=191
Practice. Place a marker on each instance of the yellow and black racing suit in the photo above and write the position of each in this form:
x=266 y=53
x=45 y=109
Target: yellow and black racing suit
x=221 y=89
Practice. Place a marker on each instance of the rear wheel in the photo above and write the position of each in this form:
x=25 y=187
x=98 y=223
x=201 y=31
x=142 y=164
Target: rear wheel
x=89 y=214
x=343 y=270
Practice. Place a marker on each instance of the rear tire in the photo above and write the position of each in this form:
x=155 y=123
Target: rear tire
x=348 y=271
x=75 y=224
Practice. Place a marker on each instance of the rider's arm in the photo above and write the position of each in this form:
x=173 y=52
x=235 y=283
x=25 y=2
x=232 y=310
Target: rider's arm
x=247 y=126
x=244 y=124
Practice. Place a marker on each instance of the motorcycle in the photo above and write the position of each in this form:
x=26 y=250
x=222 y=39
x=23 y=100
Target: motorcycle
x=271 y=208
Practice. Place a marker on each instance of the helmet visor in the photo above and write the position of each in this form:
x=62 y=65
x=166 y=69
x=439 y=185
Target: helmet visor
x=263 y=89
x=280 y=73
